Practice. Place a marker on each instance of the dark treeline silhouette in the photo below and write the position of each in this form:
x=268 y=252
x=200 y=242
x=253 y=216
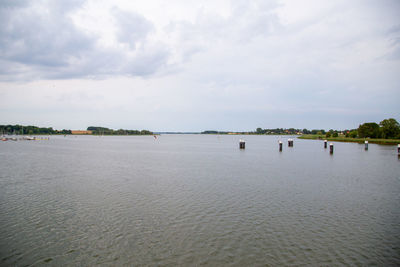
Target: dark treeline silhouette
x=20 y=129
x=388 y=128
x=31 y=130
x=106 y=131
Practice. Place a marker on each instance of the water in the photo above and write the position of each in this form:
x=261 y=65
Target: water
x=184 y=200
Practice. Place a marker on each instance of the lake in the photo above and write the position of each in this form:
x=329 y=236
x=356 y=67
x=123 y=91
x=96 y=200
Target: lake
x=189 y=200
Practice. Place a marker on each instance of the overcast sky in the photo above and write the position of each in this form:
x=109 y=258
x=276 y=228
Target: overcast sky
x=199 y=65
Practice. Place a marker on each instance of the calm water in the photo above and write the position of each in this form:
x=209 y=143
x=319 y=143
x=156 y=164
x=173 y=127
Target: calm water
x=185 y=200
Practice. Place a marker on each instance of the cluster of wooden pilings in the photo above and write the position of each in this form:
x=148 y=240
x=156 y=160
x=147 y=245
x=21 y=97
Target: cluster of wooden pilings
x=330 y=146
x=242 y=145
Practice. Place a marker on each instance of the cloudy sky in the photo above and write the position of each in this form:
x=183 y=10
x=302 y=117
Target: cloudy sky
x=199 y=65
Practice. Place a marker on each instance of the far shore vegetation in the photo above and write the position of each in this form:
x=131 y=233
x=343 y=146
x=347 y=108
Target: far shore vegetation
x=259 y=131
x=92 y=130
x=106 y=131
x=386 y=132
x=350 y=139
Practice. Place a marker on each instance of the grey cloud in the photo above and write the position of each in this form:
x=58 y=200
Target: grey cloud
x=255 y=19
x=39 y=40
x=132 y=27
x=247 y=21
x=63 y=7
x=147 y=62
x=13 y=3
x=394 y=37
x=36 y=37
x=42 y=42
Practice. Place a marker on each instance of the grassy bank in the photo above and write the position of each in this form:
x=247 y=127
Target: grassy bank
x=348 y=139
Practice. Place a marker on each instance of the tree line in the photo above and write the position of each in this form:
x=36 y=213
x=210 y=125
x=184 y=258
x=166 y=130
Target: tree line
x=20 y=129
x=276 y=131
x=31 y=130
x=290 y=131
x=106 y=131
x=386 y=129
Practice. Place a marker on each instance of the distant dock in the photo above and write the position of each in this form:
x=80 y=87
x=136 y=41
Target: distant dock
x=23 y=138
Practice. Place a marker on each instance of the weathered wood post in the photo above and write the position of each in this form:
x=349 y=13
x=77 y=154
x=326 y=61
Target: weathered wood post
x=398 y=149
x=242 y=144
x=366 y=145
x=280 y=145
x=325 y=143
x=290 y=142
x=331 y=148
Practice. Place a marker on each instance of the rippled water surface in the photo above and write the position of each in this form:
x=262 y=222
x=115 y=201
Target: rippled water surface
x=197 y=200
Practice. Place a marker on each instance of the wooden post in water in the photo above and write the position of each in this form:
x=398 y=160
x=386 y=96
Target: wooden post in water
x=242 y=144
x=331 y=148
x=325 y=143
x=280 y=146
x=398 y=149
x=366 y=145
x=290 y=142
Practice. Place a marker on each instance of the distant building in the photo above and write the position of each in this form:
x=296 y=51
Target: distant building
x=80 y=132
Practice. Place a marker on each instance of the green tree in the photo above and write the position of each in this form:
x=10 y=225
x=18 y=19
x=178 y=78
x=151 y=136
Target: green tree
x=390 y=128
x=353 y=134
x=369 y=129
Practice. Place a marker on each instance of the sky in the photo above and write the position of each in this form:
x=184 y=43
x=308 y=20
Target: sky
x=199 y=65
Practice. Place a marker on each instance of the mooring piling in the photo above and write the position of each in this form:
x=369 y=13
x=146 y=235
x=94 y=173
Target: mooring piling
x=331 y=148
x=366 y=145
x=242 y=144
x=290 y=142
x=398 y=149
x=325 y=143
x=280 y=145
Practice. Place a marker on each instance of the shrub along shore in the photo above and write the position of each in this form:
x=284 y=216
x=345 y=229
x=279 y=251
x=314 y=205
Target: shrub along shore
x=350 y=139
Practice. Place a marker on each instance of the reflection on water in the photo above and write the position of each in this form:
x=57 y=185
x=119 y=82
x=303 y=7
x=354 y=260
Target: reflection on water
x=197 y=200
